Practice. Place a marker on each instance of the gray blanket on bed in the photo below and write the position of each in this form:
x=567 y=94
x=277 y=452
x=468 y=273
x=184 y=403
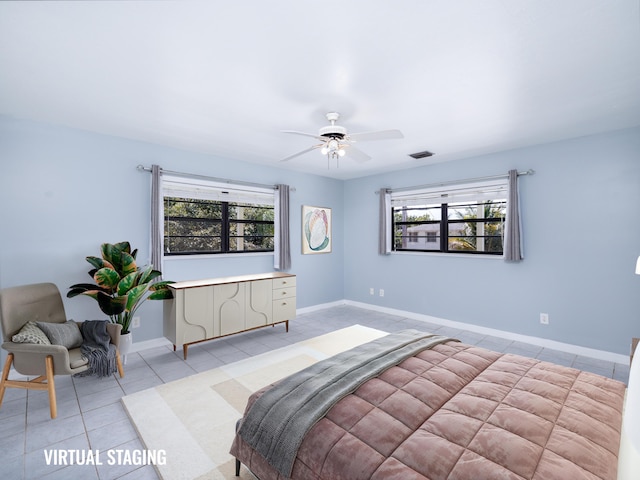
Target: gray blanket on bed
x=278 y=421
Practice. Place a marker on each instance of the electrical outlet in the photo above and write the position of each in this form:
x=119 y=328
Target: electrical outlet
x=381 y=292
x=371 y=292
x=544 y=318
x=135 y=322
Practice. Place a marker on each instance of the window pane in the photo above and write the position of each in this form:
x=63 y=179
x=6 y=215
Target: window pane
x=192 y=208
x=460 y=244
x=192 y=245
x=246 y=211
x=411 y=236
x=205 y=226
x=417 y=213
x=490 y=209
x=462 y=235
x=476 y=236
x=245 y=236
x=188 y=235
x=249 y=229
x=250 y=244
x=192 y=227
x=493 y=244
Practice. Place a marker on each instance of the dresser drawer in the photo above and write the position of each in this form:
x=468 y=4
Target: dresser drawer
x=279 y=293
x=283 y=282
x=284 y=309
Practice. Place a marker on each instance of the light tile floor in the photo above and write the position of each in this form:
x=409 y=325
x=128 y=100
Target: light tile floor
x=91 y=416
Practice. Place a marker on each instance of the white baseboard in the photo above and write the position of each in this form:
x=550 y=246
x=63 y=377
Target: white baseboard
x=321 y=306
x=542 y=342
x=153 y=343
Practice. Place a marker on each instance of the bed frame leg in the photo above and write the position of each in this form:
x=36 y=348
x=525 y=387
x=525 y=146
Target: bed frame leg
x=238 y=423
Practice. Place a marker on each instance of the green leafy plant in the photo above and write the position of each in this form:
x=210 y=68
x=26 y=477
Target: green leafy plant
x=121 y=286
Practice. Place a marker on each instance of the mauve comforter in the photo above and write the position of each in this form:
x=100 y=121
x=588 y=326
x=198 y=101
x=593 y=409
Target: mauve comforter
x=461 y=412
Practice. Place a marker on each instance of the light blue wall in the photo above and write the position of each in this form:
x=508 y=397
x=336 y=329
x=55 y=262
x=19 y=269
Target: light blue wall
x=581 y=215
x=63 y=192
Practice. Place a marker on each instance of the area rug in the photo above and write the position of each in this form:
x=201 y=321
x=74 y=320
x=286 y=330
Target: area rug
x=192 y=420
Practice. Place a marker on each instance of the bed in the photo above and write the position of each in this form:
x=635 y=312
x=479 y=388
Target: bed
x=412 y=405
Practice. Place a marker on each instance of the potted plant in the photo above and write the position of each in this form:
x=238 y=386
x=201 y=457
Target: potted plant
x=120 y=285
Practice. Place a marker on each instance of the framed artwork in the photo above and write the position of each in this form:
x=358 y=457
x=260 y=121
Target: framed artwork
x=316 y=230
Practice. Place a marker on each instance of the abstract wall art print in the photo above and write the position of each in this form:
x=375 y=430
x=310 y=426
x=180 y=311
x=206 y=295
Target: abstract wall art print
x=316 y=230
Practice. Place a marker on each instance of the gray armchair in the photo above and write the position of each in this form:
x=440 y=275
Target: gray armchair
x=40 y=303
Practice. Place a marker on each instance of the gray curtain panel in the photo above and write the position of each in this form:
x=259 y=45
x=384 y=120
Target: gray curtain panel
x=282 y=247
x=513 y=251
x=157 y=218
x=384 y=233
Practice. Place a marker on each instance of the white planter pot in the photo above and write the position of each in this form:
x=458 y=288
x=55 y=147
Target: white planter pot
x=126 y=339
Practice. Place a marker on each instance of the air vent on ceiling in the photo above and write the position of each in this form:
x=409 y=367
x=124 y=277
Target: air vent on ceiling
x=421 y=154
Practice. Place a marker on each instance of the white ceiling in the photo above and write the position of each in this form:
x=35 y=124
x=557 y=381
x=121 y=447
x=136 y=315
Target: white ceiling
x=458 y=78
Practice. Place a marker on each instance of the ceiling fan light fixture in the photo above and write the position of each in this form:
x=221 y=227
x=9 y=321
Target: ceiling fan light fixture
x=332 y=147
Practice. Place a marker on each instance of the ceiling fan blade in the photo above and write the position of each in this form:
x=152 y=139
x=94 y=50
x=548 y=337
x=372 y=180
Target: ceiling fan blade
x=356 y=154
x=301 y=153
x=379 y=135
x=312 y=135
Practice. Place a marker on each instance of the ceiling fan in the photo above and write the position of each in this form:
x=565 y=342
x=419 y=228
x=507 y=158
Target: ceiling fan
x=335 y=142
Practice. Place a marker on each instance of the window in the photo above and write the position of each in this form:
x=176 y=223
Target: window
x=207 y=218
x=464 y=218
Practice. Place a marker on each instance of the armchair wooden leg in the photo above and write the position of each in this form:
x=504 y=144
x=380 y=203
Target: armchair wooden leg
x=119 y=363
x=51 y=387
x=35 y=384
x=5 y=375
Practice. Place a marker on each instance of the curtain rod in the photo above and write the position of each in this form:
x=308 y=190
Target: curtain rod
x=456 y=182
x=142 y=168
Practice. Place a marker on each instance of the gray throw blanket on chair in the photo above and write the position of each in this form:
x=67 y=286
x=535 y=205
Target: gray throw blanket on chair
x=97 y=348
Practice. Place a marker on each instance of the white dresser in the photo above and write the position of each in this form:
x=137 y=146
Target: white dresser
x=205 y=309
